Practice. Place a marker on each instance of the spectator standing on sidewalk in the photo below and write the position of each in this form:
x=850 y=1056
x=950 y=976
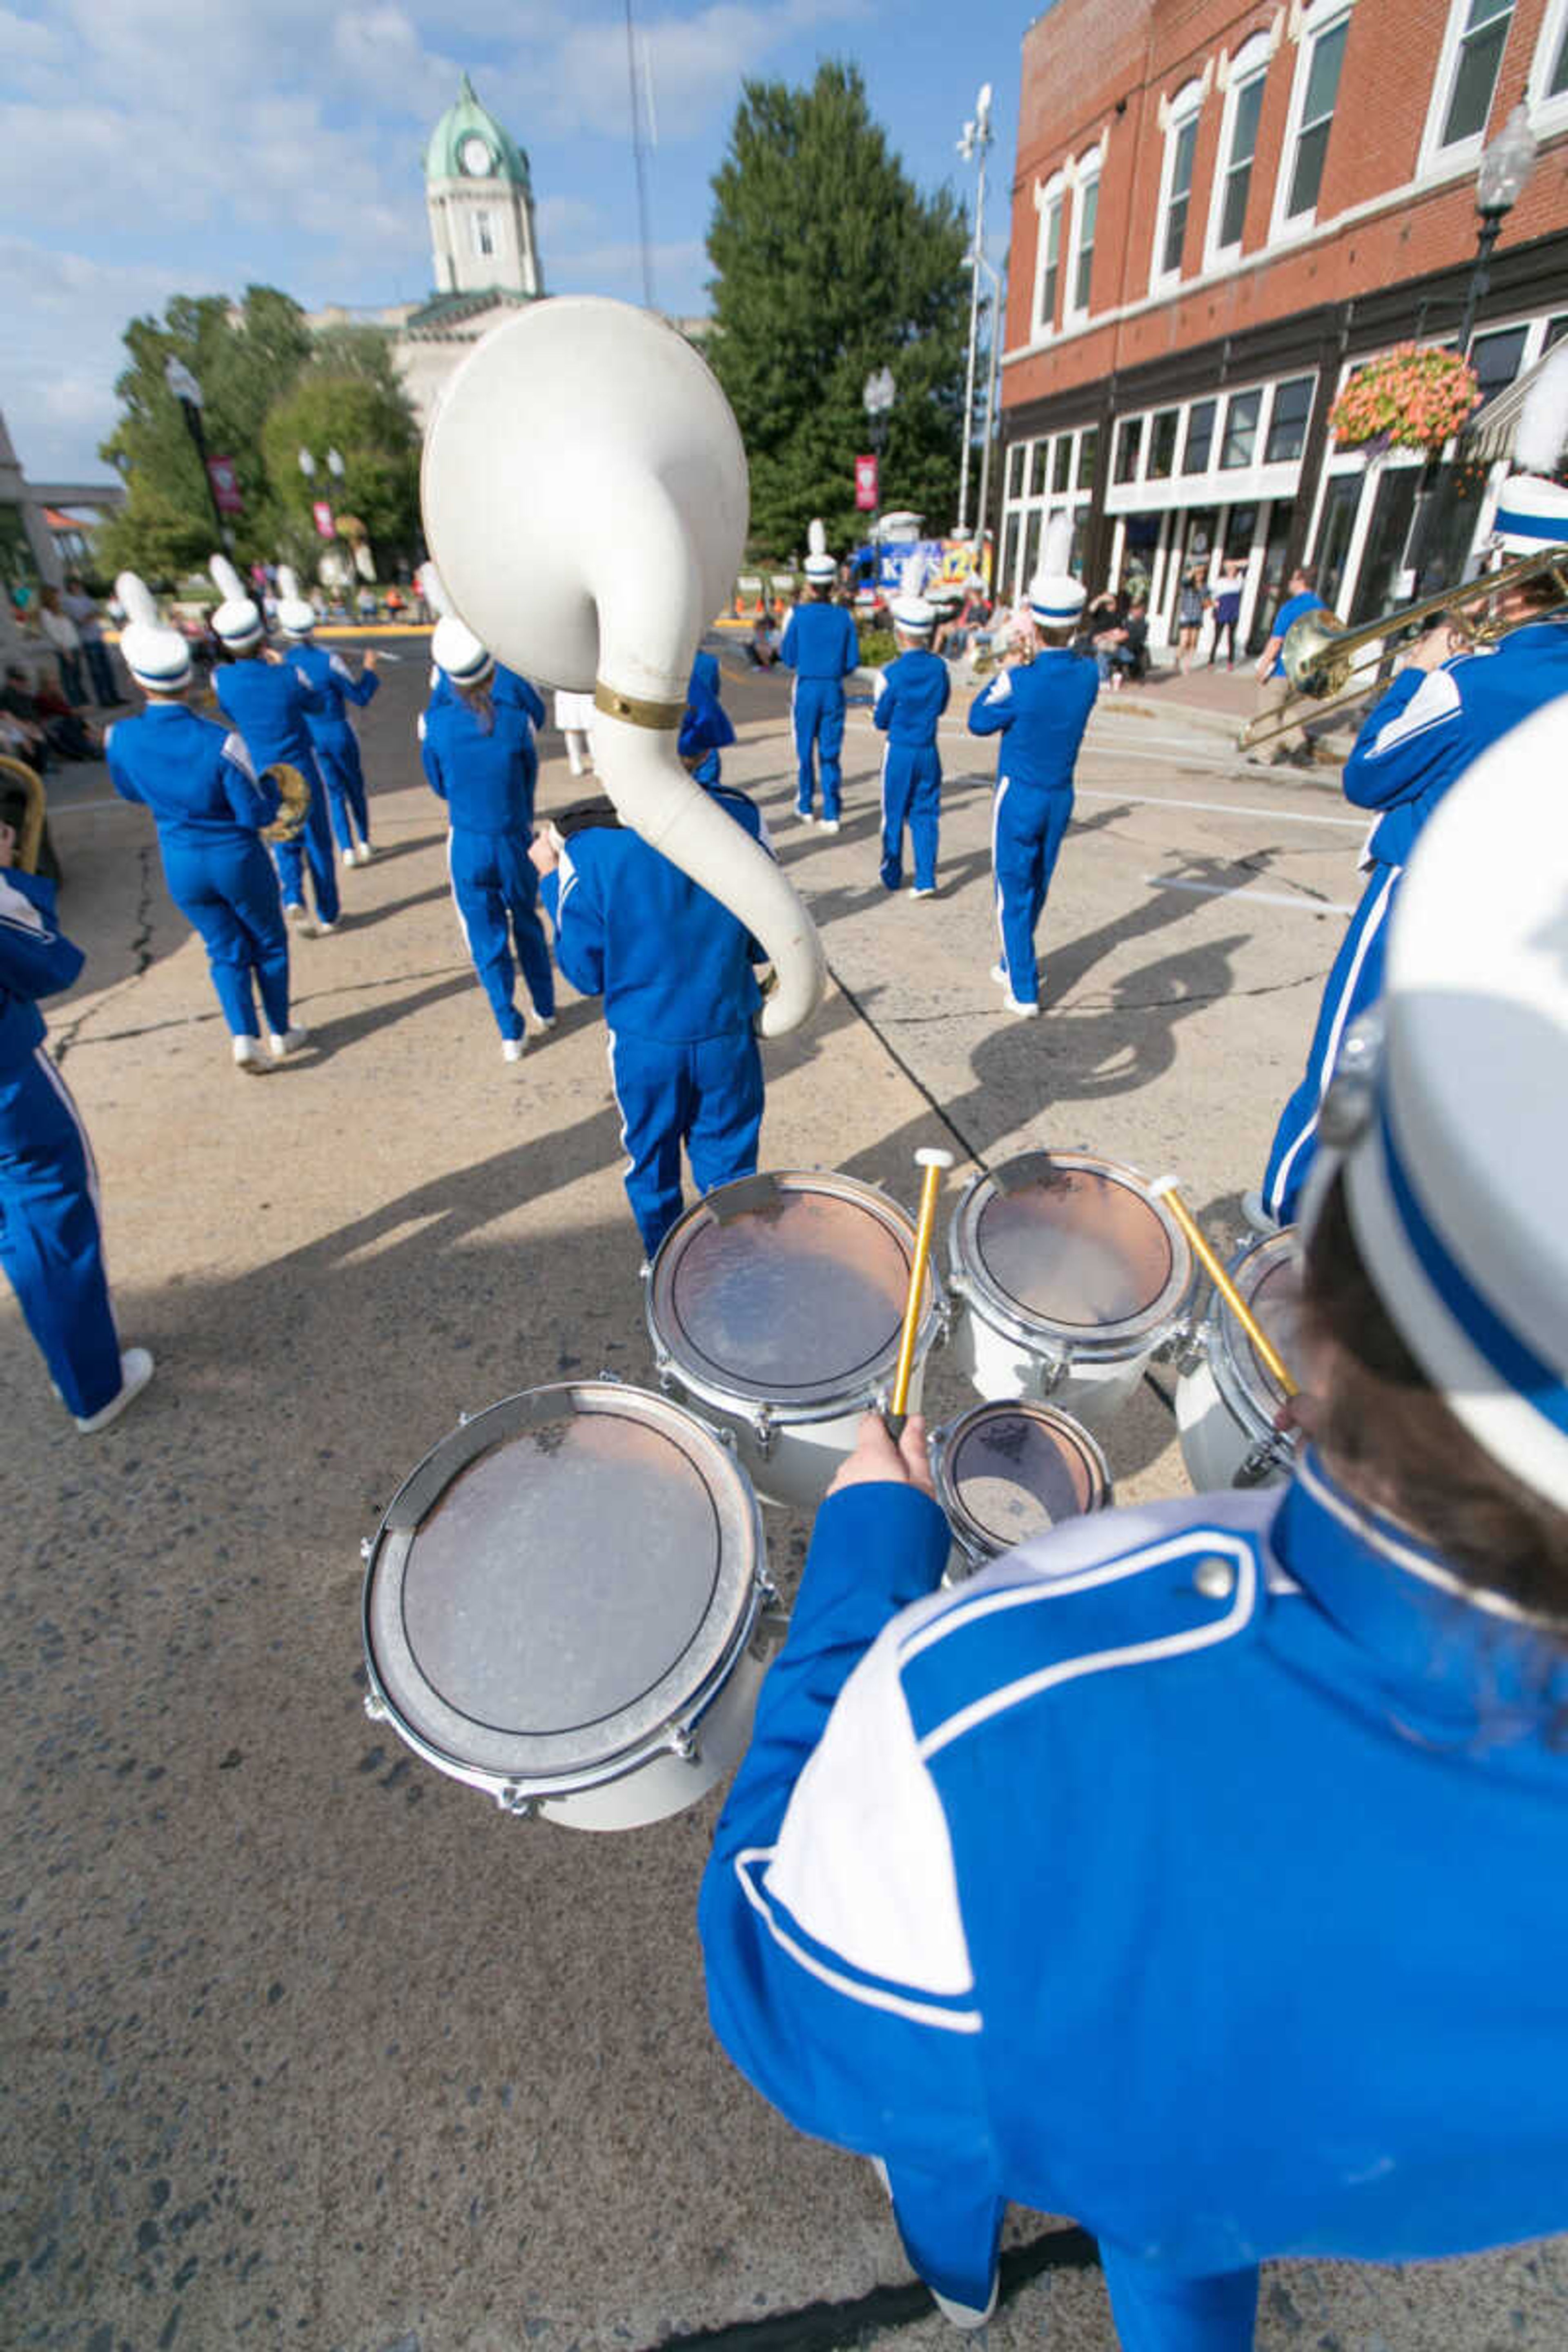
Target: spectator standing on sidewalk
x=65 y=644
x=82 y=609
x=1226 y=595
x=1273 y=688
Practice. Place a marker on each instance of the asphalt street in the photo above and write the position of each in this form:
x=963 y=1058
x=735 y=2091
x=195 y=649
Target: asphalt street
x=303 y=2044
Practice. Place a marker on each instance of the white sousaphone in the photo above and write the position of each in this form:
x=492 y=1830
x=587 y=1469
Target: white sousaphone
x=585 y=499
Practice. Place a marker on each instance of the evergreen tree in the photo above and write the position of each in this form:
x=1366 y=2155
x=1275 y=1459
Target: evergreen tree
x=829 y=264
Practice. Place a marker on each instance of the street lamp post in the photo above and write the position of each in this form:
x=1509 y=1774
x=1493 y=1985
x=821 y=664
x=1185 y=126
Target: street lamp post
x=977 y=138
x=188 y=393
x=977 y=551
x=337 y=469
x=878 y=395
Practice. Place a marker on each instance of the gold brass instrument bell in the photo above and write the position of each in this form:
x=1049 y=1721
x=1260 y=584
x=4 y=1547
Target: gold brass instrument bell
x=1323 y=657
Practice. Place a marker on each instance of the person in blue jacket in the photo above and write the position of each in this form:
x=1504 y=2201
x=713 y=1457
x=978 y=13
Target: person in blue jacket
x=1440 y=713
x=705 y=687
x=911 y=695
x=271 y=704
x=210 y=808
x=330 y=683
x=1274 y=687
x=1040 y=708
x=51 y=1241
x=821 y=647
x=674 y=968
x=1195 y=1870
x=479 y=758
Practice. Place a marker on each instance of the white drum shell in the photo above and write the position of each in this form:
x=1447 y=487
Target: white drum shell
x=1215 y=1439
x=999 y=1368
x=1225 y=1425
x=793 y=1465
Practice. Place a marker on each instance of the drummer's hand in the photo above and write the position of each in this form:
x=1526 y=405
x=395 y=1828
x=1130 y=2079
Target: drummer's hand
x=542 y=853
x=877 y=1461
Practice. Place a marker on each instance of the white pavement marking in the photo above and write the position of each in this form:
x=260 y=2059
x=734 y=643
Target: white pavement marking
x=1224 y=808
x=1257 y=897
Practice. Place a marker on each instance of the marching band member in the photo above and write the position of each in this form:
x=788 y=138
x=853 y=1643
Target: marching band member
x=51 y=1241
x=575 y=719
x=209 y=808
x=330 y=683
x=1194 y=1870
x=1040 y=708
x=911 y=695
x=674 y=968
x=705 y=685
x=1437 y=715
x=270 y=703
x=479 y=758
x=821 y=647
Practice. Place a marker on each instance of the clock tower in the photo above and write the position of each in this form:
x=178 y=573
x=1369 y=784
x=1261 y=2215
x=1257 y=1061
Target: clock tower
x=480 y=202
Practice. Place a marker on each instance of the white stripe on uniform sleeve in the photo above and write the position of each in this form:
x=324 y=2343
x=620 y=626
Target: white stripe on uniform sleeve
x=234 y=751
x=339 y=667
x=1435 y=702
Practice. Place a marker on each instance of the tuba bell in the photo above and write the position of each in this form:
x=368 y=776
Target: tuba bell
x=585 y=498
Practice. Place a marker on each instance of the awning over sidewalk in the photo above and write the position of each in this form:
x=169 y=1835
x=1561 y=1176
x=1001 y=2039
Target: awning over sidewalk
x=1488 y=435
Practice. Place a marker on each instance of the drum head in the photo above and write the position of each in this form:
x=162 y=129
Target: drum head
x=558 y=1581
x=1011 y=1471
x=1061 y=1243
x=787 y=1290
x=1268 y=1278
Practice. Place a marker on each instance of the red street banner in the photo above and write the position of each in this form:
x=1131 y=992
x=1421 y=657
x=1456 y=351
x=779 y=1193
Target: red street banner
x=324 y=514
x=866 y=484
x=225 y=485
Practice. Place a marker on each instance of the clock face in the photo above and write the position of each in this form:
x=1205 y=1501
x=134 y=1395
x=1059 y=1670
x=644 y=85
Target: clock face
x=475 y=157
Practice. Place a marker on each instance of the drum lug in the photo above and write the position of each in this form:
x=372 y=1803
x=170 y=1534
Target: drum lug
x=517 y=1803
x=1054 y=1373
x=762 y=1431
x=366 y=1546
x=1185 y=1350
x=375 y=1706
x=464 y=1419
x=616 y=1379
x=683 y=1742
x=1275 y=1451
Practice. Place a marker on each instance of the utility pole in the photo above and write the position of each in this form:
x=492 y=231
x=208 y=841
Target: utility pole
x=977 y=138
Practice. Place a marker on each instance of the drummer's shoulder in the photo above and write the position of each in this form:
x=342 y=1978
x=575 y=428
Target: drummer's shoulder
x=1129 y=1590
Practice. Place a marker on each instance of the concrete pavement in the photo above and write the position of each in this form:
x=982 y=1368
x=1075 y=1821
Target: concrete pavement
x=305 y=2044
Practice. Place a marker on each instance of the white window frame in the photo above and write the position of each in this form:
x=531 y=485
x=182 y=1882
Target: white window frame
x=1548 y=114
x=1175 y=115
x=1317 y=20
x=1461 y=153
x=1249 y=64
x=1083 y=173
x=1049 y=193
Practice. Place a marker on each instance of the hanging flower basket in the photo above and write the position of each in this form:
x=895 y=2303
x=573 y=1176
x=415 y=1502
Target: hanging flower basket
x=1411 y=398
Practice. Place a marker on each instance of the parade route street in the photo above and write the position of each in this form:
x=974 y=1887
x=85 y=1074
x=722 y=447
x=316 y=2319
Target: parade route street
x=305 y=2044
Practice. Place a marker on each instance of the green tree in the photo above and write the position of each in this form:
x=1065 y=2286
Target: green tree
x=366 y=416
x=242 y=356
x=829 y=264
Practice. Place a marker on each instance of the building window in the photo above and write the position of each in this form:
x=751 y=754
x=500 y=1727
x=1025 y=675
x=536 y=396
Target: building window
x=1163 y=444
x=1557 y=86
x=1017 y=457
x=1039 y=469
x=1320 y=90
x=1496 y=358
x=1288 y=420
x=1047 y=268
x=1089 y=453
x=1555 y=330
x=1086 y=208
x=1129 y=433
x=1233 y=180
x=1200 y=436
x=1474 y=71
x=484 y=234
x=1240 y=428
x=1061 y=474
x=1176 y=187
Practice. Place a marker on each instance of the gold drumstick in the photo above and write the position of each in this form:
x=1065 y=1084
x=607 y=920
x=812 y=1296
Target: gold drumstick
x=1164 y=1188
x=934 y=1160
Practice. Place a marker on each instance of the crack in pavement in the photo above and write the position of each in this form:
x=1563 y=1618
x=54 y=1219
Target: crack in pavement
x=62 y=1039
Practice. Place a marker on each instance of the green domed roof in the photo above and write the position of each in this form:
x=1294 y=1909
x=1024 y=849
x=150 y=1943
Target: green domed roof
x=469 y=120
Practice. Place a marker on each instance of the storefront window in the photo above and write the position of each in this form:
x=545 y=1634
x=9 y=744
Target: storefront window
x=1089 y=453
x=1383 y=556
x=1200 y=436
x=1163 y=444
x=1062 y=475
x=1288 y=422
x=1272 y=587
x=1040 y=469
x=1129 y=433
x=1496 y=358
x=1017 y=459
x=1240 y=428
x=1031 y=547
x=1241 y=523
x=1335 y=534
x=1009 y=557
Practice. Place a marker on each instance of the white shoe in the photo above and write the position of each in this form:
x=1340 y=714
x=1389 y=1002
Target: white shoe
x=805 y=816
x=348 y=858
x=365 y=853
x=964 y=2315
x=923 y=893
x=248 y=1054
x=999 y=974
x=511 y=1049
x=136 y=1372
x=543 y=1023
x=298 y=912
x=830 y=824
x=325 y=930
x=1024 y=1011
x=1257 y=1215
x=290 y=1043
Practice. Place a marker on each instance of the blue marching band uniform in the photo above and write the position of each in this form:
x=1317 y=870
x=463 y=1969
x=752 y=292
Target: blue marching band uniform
x=820 y=645
x=1040 y=711
x=911 y=695
x=271 y=704
x=330 y=683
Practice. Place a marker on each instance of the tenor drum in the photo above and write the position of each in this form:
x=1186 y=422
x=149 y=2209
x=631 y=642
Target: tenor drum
x=1006 y=1471
x=561 y=1604
x=1067 y=1278
x=776 y=1305
x=1227 y=1397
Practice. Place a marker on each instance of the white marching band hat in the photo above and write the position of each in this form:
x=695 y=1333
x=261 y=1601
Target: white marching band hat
x=819 y=565
x=454 y=649
x=1533 y=508
x=1451 y=1127
x=157 y=657
x=1531 y=514
x=238 y=620
x=1055 y=598
x=910 y=609
x=296 y=613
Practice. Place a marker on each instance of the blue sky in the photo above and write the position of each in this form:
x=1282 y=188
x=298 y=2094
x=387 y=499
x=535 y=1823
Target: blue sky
x=164 y=146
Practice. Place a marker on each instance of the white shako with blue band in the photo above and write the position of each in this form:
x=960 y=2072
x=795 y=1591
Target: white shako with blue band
x=911 y=611
x=157 y=657
x=296 y=613
x=1055 y=598
x=454 y=649
x=1532 y=514
x=819 y=565
x=238 y=620
x=1453 y=1130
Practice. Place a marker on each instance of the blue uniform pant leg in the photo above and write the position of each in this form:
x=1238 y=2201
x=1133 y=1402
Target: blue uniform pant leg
x=288 y=858
x=802 y=703
x=654 y=1087
x=318 y=853
x=925 y=807
x=1158 y=2312
x=1018 y=824
x=50 y=1241
x=830 y=745
x=725 y=1119
x=201 y=885
x=1058 y=811
x=253 y=892
x=519 y=882
x=481 y=910
x=898 y=782
x=343 y=801
x=951 y=2230
x=1354 y=983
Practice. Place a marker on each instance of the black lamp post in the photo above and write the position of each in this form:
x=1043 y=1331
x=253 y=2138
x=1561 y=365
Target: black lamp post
x=188 y=393
x=878 y=395
x=1506 y=164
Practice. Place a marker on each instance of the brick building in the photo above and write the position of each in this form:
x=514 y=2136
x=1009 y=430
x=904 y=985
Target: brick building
x=1220 y=210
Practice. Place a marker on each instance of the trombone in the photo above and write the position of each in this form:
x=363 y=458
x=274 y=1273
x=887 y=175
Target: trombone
x=1324 y=660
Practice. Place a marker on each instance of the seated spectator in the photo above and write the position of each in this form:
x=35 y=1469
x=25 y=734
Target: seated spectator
x=1129 y=653
x=762 y=646
x=67 y=732
x=368 y=609
x=393 y=603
